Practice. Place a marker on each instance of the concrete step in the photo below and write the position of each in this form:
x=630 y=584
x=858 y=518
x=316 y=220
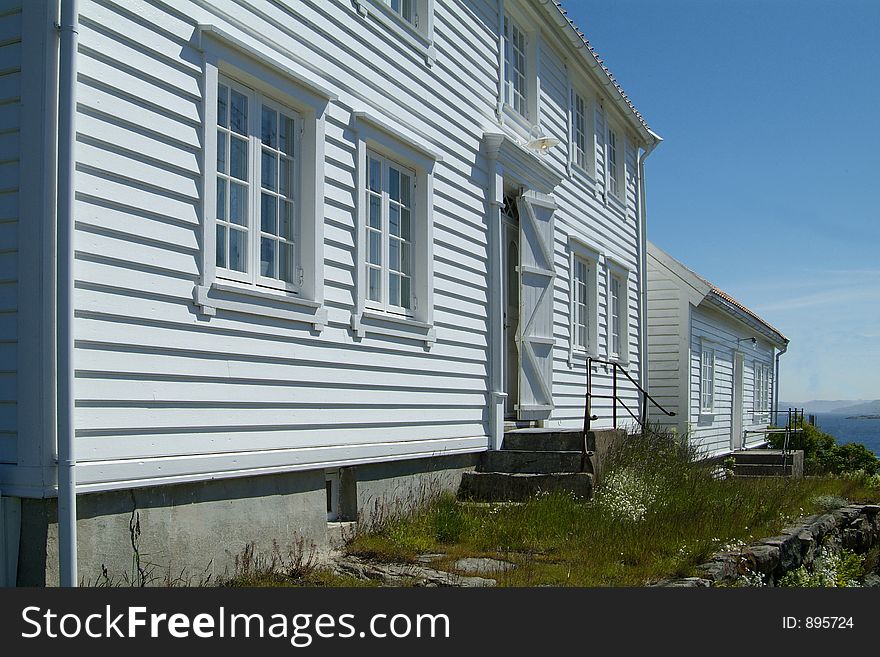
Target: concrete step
x=519 y=487
x=762 y=470
x=534 y=462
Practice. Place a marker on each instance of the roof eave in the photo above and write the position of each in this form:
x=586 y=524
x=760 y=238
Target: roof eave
x=603 y=75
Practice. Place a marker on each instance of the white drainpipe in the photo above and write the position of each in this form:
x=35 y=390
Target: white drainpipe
x=65 y=229
x=776 y=385
x=643 y=266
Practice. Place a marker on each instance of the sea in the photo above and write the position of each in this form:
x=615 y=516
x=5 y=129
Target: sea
x=847 y=429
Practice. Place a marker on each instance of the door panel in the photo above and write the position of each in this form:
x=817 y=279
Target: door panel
x=536 y=274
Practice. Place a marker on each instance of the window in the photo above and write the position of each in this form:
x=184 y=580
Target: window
x=707 y=379
x=762 y=391
x=257 y=189
x=581 y=143
x=390 y=196
x=583 y=291
x=263 y=212
x=614 y=319
x=395 y=229
x=614 y=160
x=410 y=22
x=515 y=68
x=582 y=303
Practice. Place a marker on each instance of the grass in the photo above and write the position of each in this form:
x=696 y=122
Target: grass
x=659 y=514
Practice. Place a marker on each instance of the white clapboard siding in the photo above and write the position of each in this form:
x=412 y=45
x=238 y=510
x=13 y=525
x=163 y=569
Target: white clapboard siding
x=584 y=214
x=10 y=96
x=665 y=326
x=166 y=394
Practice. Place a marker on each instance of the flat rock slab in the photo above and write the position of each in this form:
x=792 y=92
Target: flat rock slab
x=405 y=574
x=482 y=565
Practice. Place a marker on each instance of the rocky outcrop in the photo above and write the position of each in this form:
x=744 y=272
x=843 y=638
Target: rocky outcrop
x=855 y=527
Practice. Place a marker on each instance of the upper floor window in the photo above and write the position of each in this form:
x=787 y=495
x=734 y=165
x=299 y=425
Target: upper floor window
x=614 y=160
x=390 y=198
x=580 y=136
x=516 y=87
x=707 y=379
x=257 y=214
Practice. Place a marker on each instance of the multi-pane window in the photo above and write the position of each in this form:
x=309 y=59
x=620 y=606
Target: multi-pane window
x=614 y=320
x=581 y=308
x=579 y=130
x=515 y=88
x=389 y=266
x=613 y=163
x=256 y=205
x=762 y=389
x=707 y=379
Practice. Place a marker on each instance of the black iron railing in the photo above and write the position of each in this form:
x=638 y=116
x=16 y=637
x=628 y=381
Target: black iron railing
x=615 y=397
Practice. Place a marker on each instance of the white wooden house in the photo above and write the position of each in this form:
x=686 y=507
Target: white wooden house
x=711 y=360
x=310 y=254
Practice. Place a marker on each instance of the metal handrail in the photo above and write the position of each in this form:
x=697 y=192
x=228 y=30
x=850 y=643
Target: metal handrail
x=588 y=405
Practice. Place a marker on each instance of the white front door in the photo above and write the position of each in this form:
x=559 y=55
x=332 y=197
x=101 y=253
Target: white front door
x=736 y=408
x=536 y=274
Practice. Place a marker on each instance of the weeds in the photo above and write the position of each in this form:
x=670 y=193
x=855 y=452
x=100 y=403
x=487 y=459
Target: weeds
x=661 y=512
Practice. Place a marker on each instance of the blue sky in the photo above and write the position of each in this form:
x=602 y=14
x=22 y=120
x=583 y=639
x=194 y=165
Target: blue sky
x=768 y=180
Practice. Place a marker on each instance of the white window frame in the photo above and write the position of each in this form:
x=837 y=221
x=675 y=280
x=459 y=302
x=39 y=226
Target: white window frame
x=417 y=33
x=615 y=156
x=761 y=392
x=375 y=134
x=617 y=271
x=579 y=250
x=522 y=122
x=252 y=67
x=252 y=228
x=588 y=166
x=384 y=304
x=707 y=361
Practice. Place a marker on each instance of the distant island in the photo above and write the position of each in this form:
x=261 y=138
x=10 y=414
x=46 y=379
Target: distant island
x=851 y=407
x=863 y=417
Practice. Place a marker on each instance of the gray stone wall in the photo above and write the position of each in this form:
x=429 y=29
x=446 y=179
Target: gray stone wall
x=855 y=527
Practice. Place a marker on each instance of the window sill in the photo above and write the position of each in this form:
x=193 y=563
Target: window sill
x=578 y=354
x=408 y=34
x=397 y=326
x=615 y=203
x=264 y=302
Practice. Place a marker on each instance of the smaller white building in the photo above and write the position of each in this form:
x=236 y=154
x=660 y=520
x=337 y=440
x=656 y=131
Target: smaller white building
x=711 y=360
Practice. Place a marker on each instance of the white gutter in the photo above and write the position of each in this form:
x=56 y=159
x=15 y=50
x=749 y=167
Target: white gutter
x=643 y=265
x=67 y=552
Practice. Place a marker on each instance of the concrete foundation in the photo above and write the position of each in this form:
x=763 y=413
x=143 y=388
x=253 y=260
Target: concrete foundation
x=192 y=533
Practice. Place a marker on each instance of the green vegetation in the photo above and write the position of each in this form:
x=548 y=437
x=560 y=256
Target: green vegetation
x=823 y=455
x=832 y=568
x=659 y=514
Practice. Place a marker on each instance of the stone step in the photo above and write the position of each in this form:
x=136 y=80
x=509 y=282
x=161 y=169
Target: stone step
x=548 y=440
x=534 y=462
x=560 y=440
x=762 y=470
x=763 y=456
x=519 y=487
